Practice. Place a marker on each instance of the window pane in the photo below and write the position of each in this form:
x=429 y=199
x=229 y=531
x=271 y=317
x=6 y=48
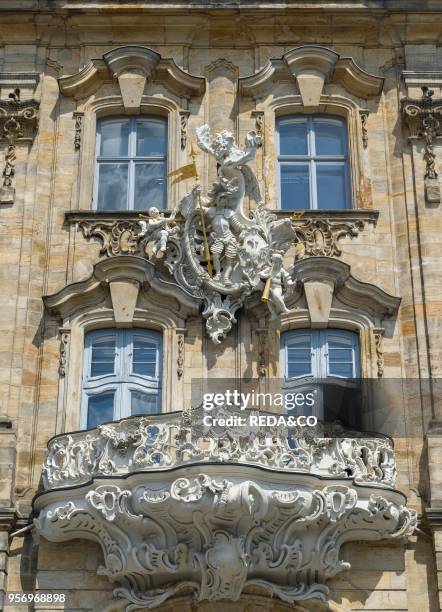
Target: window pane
x=295 y=187
x=144 y=403
x=151 y=138
x=299 y=357
x=100 y=409
x=114 y=138
x=332 y=188
x=112 y=187
x=150 y=186
x=144 y=358
x=341 y=369
x=340 y=356
x=293 y=138
x=103 y=356
x=329 y=138
x=299 y=368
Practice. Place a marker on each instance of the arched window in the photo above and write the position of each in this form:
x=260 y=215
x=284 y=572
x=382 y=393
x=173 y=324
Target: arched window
x=131 y=163
x=313 y=163
x=122 y=375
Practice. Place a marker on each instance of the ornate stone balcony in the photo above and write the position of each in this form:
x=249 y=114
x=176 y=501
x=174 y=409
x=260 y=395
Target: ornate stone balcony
x=217 y=516
x=164 y=441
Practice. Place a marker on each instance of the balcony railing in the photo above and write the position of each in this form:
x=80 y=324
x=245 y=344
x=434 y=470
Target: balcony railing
x=159 y=442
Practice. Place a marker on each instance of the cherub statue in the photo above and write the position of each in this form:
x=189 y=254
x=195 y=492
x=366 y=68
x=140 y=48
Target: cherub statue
x=157 y=229
x=280 y=279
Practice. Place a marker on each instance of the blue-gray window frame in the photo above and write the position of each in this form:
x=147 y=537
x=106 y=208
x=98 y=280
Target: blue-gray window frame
x=311 y=159
x=320 y=367
x=123 y=380
x=131 y=159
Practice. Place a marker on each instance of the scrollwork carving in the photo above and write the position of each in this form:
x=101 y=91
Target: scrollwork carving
x=117 y=237
x=163 y=441
x=199 y=532
x=320 y=237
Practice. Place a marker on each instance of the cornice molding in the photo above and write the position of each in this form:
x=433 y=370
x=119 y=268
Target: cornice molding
x=114 y=277
x=312 y=66
x=346 y=288
x=132 y=66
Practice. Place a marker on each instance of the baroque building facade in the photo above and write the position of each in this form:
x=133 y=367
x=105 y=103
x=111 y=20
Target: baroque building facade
x=197 y=192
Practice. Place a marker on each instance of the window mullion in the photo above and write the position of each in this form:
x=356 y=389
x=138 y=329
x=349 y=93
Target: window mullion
x=313 y=186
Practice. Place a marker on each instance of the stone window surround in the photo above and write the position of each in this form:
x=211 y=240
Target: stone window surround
x=118 y=294
x=329 y=296
x=115 y=84
x=113 y=106
x=358 y=164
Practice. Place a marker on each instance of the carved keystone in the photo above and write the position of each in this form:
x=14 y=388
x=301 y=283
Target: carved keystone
x=311 y=66
x=124 y=295
x=319 y=296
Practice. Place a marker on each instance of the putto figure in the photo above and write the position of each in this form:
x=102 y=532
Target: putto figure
x=279 y=280
x=158 y=229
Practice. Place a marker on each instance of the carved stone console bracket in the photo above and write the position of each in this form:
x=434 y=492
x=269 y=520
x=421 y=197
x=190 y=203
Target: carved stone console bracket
x=423 y=118
x=18 y=123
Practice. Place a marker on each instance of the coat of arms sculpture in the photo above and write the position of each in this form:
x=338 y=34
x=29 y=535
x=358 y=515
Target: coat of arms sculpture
x=219 y=254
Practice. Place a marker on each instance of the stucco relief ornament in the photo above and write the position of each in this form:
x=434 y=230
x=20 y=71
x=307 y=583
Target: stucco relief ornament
x=245 y=250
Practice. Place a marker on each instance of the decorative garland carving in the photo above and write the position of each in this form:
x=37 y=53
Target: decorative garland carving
x=364 y=116
x=320 y=237
x=180 y=357
x=18 y=122
x=184 y=119
x=262 y=334
x=65 y=335
x=78 y=116
x=379 y=342
x=423 y=118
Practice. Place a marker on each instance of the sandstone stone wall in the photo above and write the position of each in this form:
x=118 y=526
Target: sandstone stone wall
x=41 y=252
